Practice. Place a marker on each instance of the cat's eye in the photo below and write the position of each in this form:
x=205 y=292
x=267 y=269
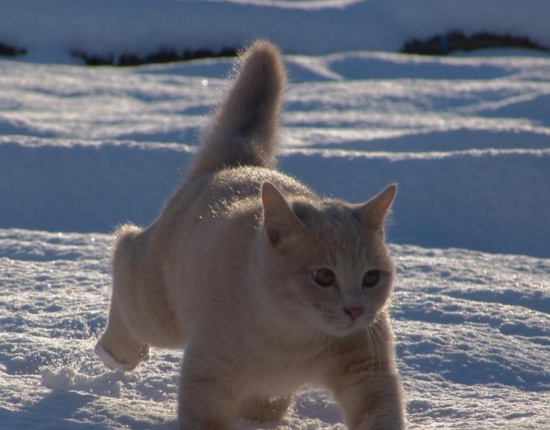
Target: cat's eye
x=324 y=277
x=371 y=278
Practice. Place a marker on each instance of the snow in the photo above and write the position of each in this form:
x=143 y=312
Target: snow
x=144 y=27
x=467 y=138
x=473 y=333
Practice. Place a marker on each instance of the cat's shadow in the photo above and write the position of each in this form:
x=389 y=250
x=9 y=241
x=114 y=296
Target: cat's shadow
x=48 y=412
x=57 y=410
x=54 y=411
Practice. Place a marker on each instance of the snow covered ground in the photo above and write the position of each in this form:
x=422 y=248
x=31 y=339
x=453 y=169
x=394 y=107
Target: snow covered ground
x=473 y=334
x=466 y=137
x=106 y=28
x=468 y=140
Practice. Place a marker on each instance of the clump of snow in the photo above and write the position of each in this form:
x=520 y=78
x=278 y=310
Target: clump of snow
x=107 y=384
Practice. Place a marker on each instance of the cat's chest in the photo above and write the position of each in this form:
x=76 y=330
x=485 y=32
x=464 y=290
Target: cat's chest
x=279 y=382
x=280 y=375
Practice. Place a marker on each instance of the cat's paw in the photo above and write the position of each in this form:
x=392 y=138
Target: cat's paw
x=264 y=409
x=126 y=363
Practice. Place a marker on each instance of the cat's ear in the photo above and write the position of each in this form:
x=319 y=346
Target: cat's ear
x=279 y=219
x=374 y=212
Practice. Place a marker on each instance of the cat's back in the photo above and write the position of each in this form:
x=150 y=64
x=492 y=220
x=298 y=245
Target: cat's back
x=232 y=187
x=217 y=215
x=225 y=203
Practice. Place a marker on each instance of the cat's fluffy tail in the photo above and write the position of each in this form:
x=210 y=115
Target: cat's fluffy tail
x=244 y=129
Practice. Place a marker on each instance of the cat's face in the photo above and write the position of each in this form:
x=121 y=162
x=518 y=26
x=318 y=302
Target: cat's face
x=331 y=273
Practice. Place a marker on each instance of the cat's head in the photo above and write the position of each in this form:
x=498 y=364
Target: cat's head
x=325 y=264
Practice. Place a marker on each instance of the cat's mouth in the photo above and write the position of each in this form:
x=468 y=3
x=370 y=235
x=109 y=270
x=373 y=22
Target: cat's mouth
x=343 y=325
x=345 y=328
x=363 y=321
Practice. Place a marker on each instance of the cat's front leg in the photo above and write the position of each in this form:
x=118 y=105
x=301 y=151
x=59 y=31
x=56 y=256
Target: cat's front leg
x=264 y=409
x=208 y=399
x=374 y=404
x=365 y=382
x=204 y=405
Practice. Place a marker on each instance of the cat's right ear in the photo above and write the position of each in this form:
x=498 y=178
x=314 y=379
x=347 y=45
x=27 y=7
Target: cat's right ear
x=279 y=219
x=374 y=212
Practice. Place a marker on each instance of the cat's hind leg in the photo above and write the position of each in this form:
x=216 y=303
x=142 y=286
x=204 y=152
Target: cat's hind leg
x=140 y=313
x=263 y=409
x=118 y=348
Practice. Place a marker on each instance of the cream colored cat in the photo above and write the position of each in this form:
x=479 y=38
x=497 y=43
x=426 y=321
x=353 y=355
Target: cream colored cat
x=267 y=285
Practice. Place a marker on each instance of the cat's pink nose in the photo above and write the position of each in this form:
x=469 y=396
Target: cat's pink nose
x=354 y=311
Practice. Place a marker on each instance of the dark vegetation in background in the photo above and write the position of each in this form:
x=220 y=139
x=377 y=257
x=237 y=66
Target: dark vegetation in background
x=164 y=56
x=456 y=41
x=437 y=45
x=11 y=51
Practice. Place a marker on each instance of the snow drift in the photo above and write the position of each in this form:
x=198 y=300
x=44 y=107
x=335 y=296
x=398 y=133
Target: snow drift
x=91 y=149
x=111 y=28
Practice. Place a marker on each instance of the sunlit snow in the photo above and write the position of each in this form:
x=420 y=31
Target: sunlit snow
x=466 y=137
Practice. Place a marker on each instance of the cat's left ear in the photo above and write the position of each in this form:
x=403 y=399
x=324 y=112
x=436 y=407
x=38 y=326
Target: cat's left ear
x=279 y=219
x=374 y=212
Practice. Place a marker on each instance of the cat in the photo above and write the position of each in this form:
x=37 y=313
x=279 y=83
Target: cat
x=268 y=286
